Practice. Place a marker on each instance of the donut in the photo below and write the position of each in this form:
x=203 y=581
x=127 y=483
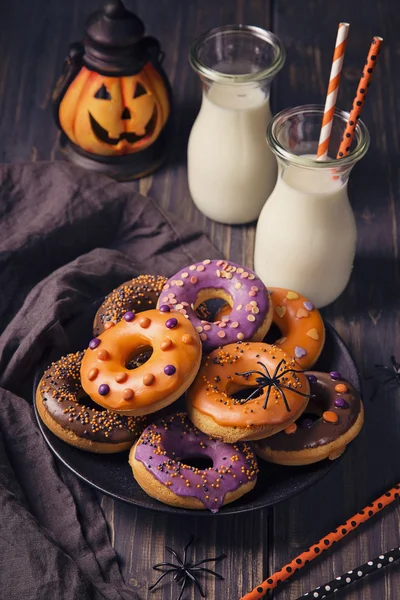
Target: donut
x=62 y=406
x=139 y=294
x=175 y=358
x=158 y=464
x=338 y=416
x=301 y=326
x=251 y=310
x=273 y=392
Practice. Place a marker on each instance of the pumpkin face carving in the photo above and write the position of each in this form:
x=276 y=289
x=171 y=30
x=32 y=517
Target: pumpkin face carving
x=112 y=116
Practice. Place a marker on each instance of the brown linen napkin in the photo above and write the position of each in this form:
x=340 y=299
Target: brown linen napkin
x=67 y=237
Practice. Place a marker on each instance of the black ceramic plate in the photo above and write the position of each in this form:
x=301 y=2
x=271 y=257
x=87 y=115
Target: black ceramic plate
x=112 y=474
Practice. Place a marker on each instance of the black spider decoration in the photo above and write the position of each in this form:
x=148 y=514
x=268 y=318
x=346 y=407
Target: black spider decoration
x=184 y=570
x=265 y=380
x=393 y=373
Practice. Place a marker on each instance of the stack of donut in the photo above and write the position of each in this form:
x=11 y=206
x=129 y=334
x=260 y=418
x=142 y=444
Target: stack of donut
x=153 y=344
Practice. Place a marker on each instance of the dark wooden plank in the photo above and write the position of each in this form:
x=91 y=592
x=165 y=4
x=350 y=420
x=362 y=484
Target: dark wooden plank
x=366 y=315
x=32 y=51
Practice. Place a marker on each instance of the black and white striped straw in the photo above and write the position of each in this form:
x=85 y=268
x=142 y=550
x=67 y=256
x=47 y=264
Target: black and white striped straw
x=323 y=591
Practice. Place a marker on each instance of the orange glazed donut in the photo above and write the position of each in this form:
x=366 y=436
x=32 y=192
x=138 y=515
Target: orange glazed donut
x=171 y=368
x=301 y=326
x=277 y=393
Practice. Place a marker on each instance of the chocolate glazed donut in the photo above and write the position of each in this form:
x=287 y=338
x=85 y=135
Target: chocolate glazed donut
x=339 y=413
x=139 y=294
x=61 y=404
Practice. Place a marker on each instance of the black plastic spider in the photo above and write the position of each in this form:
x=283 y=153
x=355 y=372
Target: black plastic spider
x=265 y=380
x=393 y=371
x=184 y=570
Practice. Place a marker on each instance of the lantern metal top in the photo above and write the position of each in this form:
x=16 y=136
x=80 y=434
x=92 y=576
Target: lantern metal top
x=114 y=44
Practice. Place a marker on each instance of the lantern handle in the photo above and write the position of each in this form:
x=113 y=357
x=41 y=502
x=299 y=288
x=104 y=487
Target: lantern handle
x=71 y=68
x=153 y=49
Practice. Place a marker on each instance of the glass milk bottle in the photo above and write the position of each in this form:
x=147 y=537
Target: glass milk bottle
x=306 y=234
x=231 y=170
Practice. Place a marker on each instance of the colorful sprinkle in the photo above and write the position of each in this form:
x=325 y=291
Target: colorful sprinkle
x=103 y=355
x=313 y=334
x=92 y=374
x=311 y=378
x=166 y=345
x=299 y=352
x=169 y=370
x=129 y=316
x=171 y=323
x=94 y=343
x=291 y=428
x=292 y=296
x=335 y=375
x=128 y=394
x=187 y=338
x=144 y=322
x=340 y=388
x=301 y=313
x=341 y=403
x=280 y=311
x=308 y=305
x=148 y=379
x=121 y=377
x=330 y=417
x=164 y=308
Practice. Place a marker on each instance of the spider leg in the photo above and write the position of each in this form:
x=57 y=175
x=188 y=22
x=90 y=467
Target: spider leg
x=182 y=587
x=165 y=564
x=197 y=584
x=396 y=365
x=277 y=368
x=265 y=369
x=153 y=585
x=251 y=395
x=281 y=385
x=283 y=395
x=206 y=560
x=380 y=385
x=207 y=571
x=267 y=397
x=291 y=371
x=247 y=373
x=190 y=542
x=178 y=558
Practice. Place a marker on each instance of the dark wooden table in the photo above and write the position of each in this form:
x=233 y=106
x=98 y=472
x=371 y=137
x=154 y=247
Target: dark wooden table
x=34 y=35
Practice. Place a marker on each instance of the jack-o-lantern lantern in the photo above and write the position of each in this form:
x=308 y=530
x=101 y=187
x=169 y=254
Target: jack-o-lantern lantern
x=113 y=101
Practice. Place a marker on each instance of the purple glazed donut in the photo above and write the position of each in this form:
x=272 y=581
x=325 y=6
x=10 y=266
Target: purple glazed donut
x=157 y=461
x=251 y=310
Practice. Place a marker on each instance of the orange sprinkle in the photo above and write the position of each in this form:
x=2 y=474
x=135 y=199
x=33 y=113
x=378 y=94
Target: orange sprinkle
x=330 y=417
x=291 y=428
x=340 y=388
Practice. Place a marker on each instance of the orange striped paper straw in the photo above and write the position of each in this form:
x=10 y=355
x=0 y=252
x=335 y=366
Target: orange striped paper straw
x=326 y=542
x=358 y=101
x=333 y=88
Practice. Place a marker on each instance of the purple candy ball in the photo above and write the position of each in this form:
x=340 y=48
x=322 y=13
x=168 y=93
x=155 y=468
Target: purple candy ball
x=104 y=389
x=341 y=403
x=306 y=423
x=129 y=316
x=311 y=378
x=164 y=308
x=171 y=323
x=335 y=375
x=169 y=370
x=94 y=343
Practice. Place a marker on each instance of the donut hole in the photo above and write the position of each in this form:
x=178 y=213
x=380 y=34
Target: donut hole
x=245 y=392
x=212 y=304
x=138 y=357
x=197 y=462
x=273 y=334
